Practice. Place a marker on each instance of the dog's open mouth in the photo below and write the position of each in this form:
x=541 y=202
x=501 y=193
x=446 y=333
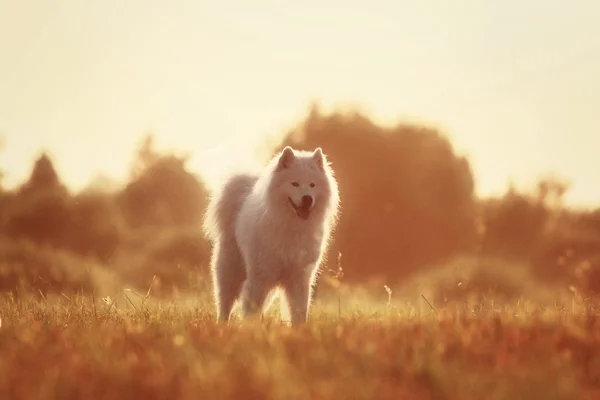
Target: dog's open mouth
x=302 y=212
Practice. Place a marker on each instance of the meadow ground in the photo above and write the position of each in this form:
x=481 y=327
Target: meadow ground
x=138 y=347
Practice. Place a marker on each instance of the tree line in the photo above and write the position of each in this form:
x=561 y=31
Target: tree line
x=408 y=205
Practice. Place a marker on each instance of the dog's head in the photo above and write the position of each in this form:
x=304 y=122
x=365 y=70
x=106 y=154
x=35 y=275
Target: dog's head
x=300 y=180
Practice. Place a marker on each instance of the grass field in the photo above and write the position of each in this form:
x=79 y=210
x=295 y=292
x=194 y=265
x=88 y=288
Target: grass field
x=139 y=347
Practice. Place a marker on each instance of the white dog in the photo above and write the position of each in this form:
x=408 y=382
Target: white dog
x=270 y=231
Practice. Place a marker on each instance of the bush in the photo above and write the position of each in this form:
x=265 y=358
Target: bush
x=42 y=217
x=473 y=279
x=514 y=226
x=177 y=258
x=43 y=269
x=96 y=227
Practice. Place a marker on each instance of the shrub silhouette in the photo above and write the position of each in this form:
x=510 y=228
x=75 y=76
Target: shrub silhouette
x=178 y=259
x=570 y=254
x=25 y=265
x=406 y=198
x=96 y=227
x=514 y=226
x=476 y=279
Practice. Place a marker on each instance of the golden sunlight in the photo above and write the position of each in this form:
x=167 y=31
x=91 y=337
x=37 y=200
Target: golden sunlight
x=451 y=249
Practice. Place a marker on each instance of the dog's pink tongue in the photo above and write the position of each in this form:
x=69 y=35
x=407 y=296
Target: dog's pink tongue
x=303 y=213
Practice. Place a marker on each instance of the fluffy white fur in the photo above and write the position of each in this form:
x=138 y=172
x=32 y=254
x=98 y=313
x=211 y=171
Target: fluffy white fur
x=270 y=231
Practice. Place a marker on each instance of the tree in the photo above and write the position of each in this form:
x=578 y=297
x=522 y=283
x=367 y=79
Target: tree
x=43 y=178
x=406 y=198
x=162 y=192
x=146 y=156
x=39 y=209
x=96 y=225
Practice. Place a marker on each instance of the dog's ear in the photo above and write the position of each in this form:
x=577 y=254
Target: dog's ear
x=319 y=159
x=286 y=158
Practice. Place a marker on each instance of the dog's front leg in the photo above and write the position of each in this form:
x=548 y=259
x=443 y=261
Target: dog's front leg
x=298 y=294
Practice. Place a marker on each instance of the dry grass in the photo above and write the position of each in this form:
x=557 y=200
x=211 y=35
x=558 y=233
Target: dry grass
x=139 y=347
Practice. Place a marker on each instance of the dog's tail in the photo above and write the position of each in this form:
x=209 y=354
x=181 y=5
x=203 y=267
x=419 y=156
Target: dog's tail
x=224 y=206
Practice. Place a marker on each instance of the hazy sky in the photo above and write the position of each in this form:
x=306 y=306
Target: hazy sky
x=513 y=82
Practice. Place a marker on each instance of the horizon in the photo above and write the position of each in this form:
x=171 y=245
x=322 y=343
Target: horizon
x=525 y=76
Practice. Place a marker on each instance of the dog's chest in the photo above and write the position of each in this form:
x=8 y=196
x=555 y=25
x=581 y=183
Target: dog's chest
x=296 y=248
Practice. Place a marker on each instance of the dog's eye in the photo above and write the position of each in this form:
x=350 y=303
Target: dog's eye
x=295 y=184
x=312 y=185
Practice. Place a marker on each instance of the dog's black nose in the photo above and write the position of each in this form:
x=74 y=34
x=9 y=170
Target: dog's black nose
x=307 y=201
